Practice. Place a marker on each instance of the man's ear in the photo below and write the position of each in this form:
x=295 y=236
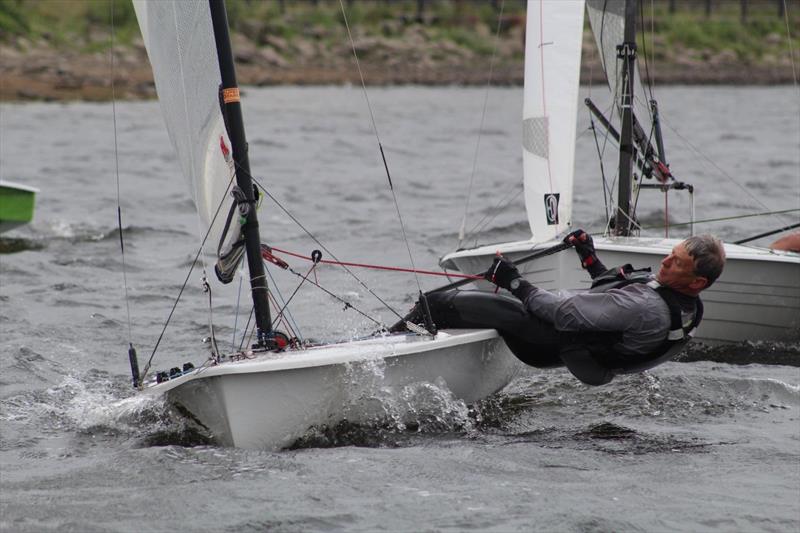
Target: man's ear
x=699 y=283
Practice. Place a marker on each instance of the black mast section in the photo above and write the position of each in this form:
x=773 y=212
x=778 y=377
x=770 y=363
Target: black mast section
x=626 y=52
x=235 y=124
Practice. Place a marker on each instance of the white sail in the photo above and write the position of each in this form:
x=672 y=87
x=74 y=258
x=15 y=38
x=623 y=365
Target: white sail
x=552 y=75
x=180 y=43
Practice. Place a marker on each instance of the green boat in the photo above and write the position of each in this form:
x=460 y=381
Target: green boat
x=16 y=205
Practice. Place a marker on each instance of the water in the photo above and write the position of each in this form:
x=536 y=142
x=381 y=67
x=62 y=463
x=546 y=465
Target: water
x=697 y=446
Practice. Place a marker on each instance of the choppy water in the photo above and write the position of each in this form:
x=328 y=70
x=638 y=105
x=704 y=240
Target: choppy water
x=701 y=446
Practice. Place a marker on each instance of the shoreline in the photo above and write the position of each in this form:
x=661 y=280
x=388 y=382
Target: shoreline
x=47 y=74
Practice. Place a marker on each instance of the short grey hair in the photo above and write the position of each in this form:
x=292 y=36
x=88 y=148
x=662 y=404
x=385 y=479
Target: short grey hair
x=708 y=254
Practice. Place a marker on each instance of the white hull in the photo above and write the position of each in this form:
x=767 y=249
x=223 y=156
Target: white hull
x=756 y=298
x=268 y=402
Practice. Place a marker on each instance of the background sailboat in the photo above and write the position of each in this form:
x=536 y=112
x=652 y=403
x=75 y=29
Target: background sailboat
x=16 y=204
x=263 y=397
x=758 y=295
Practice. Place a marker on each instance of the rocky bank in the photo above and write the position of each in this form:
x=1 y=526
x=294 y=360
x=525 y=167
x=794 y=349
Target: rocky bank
x=37 y=71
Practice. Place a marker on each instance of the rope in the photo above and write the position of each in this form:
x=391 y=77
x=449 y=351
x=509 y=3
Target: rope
x=461 y=234
x=377 y=267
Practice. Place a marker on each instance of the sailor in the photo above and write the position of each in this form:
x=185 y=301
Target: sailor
x=788 y=243
x=627 y=322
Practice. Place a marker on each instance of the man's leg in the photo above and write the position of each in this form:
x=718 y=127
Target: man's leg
x=532 y=340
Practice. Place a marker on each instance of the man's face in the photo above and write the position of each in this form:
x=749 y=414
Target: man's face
x=677 y=272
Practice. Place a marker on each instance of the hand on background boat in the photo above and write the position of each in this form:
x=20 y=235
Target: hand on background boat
x=584 y=245
x=502 y=273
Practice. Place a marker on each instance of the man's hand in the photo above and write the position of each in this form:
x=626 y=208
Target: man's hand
x=502 y=272
x=582 y=242
x=584 y=245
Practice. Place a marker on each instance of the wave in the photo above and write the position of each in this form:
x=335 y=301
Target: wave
x=377 y=415
x=92 y=405
x=745 y=353
x=548 y=407
x=13 y=245
x=39 y=237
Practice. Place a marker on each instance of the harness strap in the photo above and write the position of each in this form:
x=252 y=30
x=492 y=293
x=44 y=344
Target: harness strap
x=679 y=333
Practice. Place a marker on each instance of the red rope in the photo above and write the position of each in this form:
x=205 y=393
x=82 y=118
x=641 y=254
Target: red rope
x=379 y=267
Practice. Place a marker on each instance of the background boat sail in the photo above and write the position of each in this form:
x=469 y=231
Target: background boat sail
x=265 y=398
x=758 y=295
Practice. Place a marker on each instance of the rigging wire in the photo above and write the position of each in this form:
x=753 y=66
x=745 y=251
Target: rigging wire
x=347 y=305
x=279 y=316
x=652 y=44
x=461 y=234
x=495 y=211
x=317 y=241
x=791 y=45
x=606 y=193
x=646 y=85
x=719 y=169
x=238 y=302
x=212 y=336
x=246 y=328
x=735 y=217
x=277 y=290
x=186 y=280
x=116 y=168
x=380 y=145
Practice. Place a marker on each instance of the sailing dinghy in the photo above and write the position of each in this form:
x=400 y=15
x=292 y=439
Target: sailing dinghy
x=16 y=204
x=269 y=395
x=758 y=295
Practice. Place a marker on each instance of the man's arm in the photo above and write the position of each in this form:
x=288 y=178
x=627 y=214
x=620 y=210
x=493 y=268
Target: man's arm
x=613 y=310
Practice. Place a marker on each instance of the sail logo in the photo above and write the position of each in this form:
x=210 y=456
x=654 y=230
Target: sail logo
x=226 y=153
x=551 y=208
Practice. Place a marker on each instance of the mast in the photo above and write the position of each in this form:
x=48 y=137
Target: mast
x=235 y=125
x=626 y=52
